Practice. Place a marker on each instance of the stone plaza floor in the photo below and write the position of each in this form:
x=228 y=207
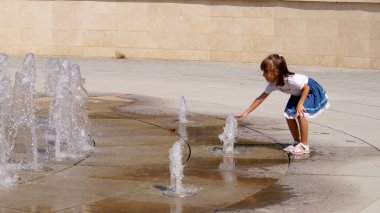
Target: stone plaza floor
x=133 y=107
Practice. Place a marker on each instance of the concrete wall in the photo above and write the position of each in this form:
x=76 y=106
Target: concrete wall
x=317 y=33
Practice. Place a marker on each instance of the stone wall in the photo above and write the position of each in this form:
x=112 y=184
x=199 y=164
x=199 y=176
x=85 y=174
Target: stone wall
x=316 y=33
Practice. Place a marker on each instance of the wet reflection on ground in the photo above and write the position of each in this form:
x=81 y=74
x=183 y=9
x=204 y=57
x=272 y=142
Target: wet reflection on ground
x=131 y=160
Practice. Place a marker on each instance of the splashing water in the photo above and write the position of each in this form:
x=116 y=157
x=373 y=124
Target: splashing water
x=183 y=111
x=229 y=134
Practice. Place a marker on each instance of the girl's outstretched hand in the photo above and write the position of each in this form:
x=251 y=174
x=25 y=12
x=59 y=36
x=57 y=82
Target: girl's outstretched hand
x=241 y=116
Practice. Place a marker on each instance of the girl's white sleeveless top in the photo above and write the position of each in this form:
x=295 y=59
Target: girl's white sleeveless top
x=293 y=85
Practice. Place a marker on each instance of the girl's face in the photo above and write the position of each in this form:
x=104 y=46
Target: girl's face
x=271 y=75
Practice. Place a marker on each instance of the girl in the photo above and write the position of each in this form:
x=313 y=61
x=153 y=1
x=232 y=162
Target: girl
x=307 y=99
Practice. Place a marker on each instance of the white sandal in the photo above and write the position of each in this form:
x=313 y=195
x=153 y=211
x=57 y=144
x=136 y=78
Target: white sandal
x=291 y=147
x=301 y=149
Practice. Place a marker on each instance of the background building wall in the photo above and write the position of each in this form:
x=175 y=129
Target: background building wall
x=316 y=33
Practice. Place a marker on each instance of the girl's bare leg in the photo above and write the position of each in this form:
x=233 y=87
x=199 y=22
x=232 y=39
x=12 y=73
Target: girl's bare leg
x=293 y=127
x=304 y=129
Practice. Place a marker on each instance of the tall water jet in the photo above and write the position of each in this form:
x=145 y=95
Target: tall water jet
x=23 y=105
x=6 y=179
x=183 y=111
x=79 y=116
x=61 y=110
x=3 y=65
x=229 y=134
x=52 y=73
x=29 y=67
x=5 y=99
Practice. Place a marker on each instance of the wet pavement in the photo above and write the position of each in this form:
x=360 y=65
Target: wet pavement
x=135 y=123
x=129 y=168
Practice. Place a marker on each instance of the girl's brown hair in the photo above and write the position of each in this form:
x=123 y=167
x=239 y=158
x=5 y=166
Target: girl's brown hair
x=276 y=62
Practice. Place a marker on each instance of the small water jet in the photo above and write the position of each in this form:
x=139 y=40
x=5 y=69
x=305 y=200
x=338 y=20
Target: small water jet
x=228 y=136
x=183 y=111
x=176 y=166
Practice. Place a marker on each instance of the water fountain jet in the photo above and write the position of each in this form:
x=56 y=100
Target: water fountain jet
x=23 y=107
x=183 y=111
x=7 y=179
x=176 y=172
x=228 y=136
x=67 y=111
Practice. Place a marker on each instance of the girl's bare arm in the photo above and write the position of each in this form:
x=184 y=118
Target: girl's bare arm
x=253 y=106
